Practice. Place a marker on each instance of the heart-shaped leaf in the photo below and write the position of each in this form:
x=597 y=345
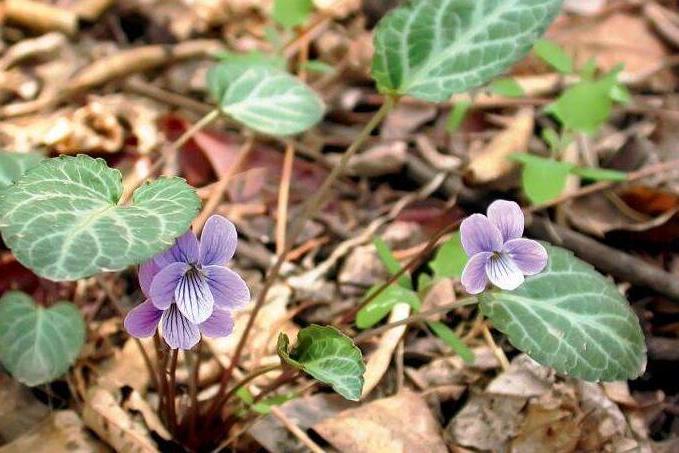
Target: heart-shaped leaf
x=37 y=345
x=13 y=165
x=571 y=318
x=542 y=179
x=431 y=49
x=62 y=219
x=264 y=98
x=327 y=355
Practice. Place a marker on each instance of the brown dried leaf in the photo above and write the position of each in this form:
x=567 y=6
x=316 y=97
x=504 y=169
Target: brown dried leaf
x=20 y=411
x=378 y=361
x=638 y=48
x=61 y=431
x=102 y=414
x=491 y=163
x=401 y=423
x=599 y=214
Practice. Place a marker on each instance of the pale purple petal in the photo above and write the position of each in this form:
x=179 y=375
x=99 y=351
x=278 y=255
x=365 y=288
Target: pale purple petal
x=528 y=255
x=220 y=324
x=147 y=271
x=165 y=282
x=193 y=296
x=503 y=273
x=142 y=320
x=179 y=332
x=218 y=242
x=184 y=250
x=474 y=277
x=228 y=288
x=507 y=216
x=479 y=235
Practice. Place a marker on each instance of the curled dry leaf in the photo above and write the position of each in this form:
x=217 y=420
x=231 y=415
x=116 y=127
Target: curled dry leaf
x=598 y=214
x=529 y=408
x=99 y=126
x=120 y=429
x=491 y=163
x=378 y=361
x=401 y=423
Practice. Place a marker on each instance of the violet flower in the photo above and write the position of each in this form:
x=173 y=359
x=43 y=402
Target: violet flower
x=496 y=250
x=189 y=290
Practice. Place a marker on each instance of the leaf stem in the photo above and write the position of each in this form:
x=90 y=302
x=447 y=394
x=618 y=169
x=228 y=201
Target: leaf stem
x=249 y=378
x=193 y=391
x=415 y=318
x=310 y=208
x=409 y=266
x=171 y=407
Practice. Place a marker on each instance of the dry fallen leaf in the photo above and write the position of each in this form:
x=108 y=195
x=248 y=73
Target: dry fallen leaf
x=102 y=414
x=61 y=431
x=20 y=411
x=638 y=48
x=529 y=409
x=401 y=423
x=378 y=361
x=598 y=214
x=491 y=163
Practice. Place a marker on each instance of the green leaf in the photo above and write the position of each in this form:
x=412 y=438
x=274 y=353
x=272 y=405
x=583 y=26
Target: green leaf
x=327 y=355
x=620 y=94
x=431 y=49
x=506 y=87
x=571 y=318
x=542 y=179
x=380 y=307
x=457 y=116
x=37 y=345
x=551 y=137
x=13 y=165
x=599 y=174
x=424 y=281
x=452 y=340
x=450 y=259
x=391 y=263
x=318 y=66
x=253 y=58
x=291 y=13
x=264 y=98
x=63 y=221
x=588 y=70
x=595 y=95
x=554 y=55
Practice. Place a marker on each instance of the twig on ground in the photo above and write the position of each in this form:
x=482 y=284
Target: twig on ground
x=608 y=259
x=417 y=317
x=296 y=430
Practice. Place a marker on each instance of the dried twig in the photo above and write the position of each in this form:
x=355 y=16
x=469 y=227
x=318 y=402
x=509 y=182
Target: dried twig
x=608 y=259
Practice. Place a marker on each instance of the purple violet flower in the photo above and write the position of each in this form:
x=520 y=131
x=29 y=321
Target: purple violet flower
x=189 y=289
x=496 y=250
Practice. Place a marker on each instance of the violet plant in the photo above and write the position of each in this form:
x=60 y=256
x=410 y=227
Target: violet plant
x=68 y=218
x=189 y=289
